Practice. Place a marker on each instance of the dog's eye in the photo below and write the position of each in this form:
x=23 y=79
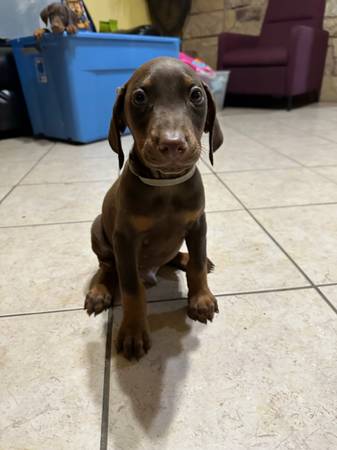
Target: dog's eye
x=139 y=97
x=196 y=95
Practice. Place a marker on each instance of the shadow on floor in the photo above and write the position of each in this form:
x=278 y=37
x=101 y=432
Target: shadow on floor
x=269 y=102
x=151 y=387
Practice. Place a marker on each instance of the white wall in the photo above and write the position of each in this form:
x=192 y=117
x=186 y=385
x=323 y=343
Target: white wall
x=20 y=17
x=129 y=13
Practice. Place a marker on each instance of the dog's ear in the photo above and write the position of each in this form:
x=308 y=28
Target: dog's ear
x=44 y=14
x=118 y=125
x=212 y=125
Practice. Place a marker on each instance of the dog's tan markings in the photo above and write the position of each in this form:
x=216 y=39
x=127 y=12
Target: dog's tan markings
x=191 y=216
x=142 y=223
x=39 y=33
x=133 y=336
x=188 y=80
x=201 y=302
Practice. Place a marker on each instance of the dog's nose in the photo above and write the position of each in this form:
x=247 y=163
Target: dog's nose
x=172 y=144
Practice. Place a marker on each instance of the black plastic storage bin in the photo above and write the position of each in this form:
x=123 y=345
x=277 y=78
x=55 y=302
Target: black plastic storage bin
x=14 y=118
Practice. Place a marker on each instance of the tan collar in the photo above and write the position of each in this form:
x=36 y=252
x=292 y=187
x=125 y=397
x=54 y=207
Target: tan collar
x=160 y=182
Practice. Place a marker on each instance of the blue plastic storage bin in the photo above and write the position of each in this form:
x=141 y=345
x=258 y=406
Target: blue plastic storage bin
x=70 y=82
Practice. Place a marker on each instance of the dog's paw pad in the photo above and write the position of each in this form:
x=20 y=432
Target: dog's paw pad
x=97 y=300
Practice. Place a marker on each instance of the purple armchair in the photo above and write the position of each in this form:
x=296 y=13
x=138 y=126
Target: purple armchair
x=288 y=57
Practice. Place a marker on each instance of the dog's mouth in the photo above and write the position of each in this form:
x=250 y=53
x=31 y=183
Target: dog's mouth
x=171 y=170
x=170 y=166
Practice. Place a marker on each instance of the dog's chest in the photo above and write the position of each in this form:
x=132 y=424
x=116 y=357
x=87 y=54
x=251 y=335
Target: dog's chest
x=160 y=244
x=168 y=215
x=162 y=235
x=180 y=201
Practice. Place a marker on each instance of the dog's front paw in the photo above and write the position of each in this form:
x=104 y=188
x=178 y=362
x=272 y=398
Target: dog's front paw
x=71 y=29
x=97 y=300
x=133 y=340
x=39 y=33
x=202 y=307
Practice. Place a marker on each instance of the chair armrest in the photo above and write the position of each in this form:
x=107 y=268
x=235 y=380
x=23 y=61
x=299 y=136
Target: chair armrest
x=307 y=48
x=232 y=41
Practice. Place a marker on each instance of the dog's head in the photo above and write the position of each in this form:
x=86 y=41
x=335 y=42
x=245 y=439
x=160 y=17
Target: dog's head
x=59 y=17
x=167 y=108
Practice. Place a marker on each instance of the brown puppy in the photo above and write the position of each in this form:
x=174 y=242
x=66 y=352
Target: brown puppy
x=61 y=19
x=158 y=201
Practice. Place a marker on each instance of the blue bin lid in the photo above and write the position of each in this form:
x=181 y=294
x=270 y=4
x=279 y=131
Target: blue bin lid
x=98 y=36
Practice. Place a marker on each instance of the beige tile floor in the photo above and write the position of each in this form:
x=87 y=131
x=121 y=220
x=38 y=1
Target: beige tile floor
x=262 y=375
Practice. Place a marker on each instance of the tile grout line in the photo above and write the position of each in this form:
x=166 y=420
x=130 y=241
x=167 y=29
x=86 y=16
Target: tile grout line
x=31 y=225
x=37 y=313
x=303 y=205
x=321 y=294
x=106 y=380
x=67 y=183
x=103 y=180
x=227 y=294
x=27 y=173
x=268 y=169
x=275 y=150
x=37 y=162
x=106 y=384
x=216 y=211
x=326 y=177
x=273 y=169
x=326 y=285
x=323 y=166
x=325 y=298
x=235 y=294
x=290 y=128
x=328 y=139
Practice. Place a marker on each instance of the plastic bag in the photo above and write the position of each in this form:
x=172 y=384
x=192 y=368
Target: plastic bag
x=217 y=83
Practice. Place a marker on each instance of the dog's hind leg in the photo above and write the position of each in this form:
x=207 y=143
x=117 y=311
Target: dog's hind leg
x=104 y=284
x=181 y=259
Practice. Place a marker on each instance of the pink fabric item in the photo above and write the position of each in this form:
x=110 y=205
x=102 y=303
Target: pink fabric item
x=196 y=64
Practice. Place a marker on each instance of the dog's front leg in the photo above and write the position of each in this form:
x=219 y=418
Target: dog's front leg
x=133 y=336
x=201 y=302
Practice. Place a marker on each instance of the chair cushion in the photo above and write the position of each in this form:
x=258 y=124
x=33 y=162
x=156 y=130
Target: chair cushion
x=259 y=56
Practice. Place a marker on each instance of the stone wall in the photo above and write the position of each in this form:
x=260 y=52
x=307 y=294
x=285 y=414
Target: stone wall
x=208 y=18
x=202 y=28
x=329 y=89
